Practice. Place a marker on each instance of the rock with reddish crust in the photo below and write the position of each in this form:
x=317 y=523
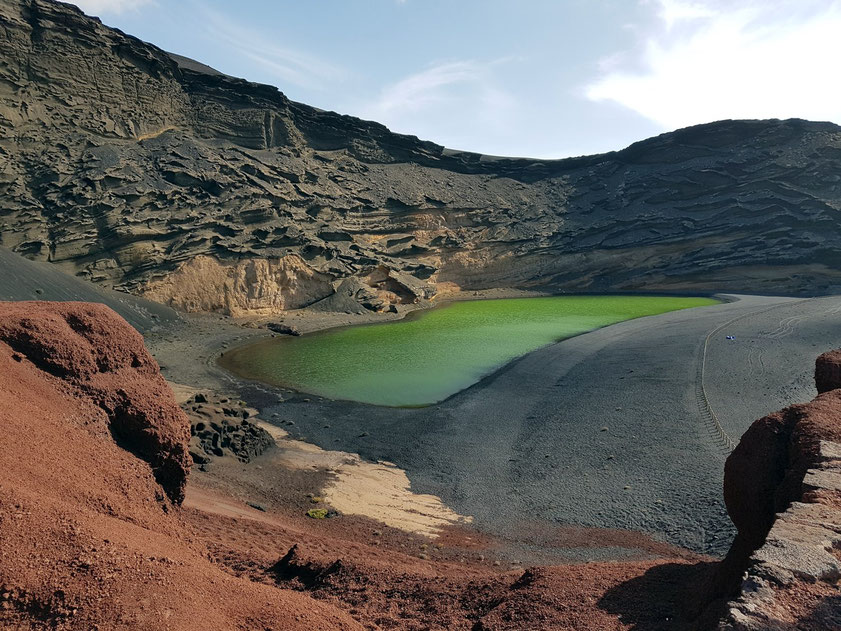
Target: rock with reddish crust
x=752 y=474
x=764 y=474
x=782 y=487
x=95 y=351
x=88 y=539
x=828 y=371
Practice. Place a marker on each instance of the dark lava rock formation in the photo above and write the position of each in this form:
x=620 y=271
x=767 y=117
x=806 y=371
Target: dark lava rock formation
x=220 y=427
x=149 y=172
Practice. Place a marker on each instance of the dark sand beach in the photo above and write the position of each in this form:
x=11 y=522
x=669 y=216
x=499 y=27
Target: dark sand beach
x=603 y=430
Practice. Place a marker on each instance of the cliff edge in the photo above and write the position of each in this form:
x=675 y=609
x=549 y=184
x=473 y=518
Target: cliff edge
x=783 y=492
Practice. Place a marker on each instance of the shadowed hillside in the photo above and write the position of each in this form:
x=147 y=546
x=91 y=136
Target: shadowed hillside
x=124 y=164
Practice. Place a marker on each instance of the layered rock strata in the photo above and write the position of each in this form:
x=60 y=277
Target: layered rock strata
x=125 y=164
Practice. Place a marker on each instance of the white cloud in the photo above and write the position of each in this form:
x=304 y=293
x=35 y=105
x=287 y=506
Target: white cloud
x=710 y=60
x=103 y=7
x=675 y=11
x=451 y=103
x=290 y=66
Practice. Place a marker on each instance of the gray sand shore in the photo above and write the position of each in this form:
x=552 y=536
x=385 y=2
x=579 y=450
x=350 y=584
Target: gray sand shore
x=602 y=430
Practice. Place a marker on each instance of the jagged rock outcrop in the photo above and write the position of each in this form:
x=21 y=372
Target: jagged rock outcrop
x=783 y=491
x=220 y=427
x=122 y=163
x=828 y=371
x=94 y=352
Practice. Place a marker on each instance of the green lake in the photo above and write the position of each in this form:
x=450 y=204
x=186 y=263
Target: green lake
x=433 y=354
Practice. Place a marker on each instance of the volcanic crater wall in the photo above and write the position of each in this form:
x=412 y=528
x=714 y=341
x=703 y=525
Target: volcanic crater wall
x=123 y=163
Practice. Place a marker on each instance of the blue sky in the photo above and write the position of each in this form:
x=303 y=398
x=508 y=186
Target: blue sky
x=538 y=78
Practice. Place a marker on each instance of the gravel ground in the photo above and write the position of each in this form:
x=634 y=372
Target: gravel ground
x=603 y=430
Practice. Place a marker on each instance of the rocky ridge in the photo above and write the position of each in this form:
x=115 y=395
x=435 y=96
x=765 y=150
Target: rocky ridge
x=76 y=342
x=151 y=173
x=783 y=491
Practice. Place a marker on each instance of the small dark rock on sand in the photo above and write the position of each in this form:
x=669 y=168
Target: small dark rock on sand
x=285 y=329
x=219 y=431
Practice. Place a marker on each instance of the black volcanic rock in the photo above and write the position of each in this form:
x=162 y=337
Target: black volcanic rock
x=123 y=163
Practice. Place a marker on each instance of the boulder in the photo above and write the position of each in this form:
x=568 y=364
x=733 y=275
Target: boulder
x=284 y=329
x=828 y=371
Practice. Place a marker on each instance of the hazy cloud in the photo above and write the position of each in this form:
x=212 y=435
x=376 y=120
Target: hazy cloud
x=290 y=66
x=675 y=11
x=448 y=102
x=103 y=7
x=707 y=60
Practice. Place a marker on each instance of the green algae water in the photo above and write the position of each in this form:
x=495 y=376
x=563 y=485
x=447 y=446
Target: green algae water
x=427 y=358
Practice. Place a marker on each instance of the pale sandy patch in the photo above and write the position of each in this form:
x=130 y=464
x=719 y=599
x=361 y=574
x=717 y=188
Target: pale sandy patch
x=378 y=490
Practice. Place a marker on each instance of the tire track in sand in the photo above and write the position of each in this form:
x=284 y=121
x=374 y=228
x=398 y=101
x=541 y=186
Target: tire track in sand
x=710 y=419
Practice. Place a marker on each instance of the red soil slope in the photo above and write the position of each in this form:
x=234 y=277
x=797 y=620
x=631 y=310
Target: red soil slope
x=91 y=538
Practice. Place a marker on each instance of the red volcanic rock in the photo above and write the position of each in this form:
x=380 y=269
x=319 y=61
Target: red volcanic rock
x=782 y=487
x=765 y=472
x=95 y=351
x=828 y=371
x=87 y=538
x=752 y=474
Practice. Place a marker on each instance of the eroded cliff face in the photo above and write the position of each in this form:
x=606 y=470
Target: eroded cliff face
x=249 y=286
x=782 y=488
x=123 y=163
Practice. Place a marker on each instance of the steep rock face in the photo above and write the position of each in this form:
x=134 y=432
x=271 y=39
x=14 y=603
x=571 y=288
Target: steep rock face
x=782 y=488
x=89 y=540
x=121 y=163
x=93 y=350
x=248 y=286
